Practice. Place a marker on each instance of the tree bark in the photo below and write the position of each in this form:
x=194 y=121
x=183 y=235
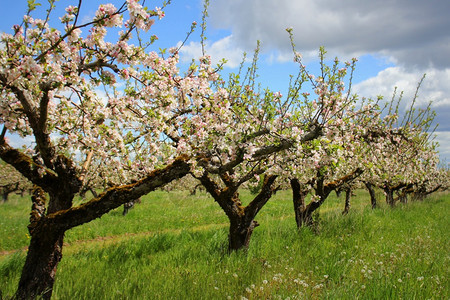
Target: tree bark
x=421 y=192
x=305 y=216
x=38 y=273
x=390 y=189
x=389 y=196
x=5 y=196
x=298 y=196
x=45 y=249
x=348 y=195
x=242 y=219
x=240 y=233
x=303 y=213
x=403 y=197
x=373 y=198
x=403 y=193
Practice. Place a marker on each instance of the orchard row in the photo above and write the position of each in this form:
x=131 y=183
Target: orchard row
x=105 y=112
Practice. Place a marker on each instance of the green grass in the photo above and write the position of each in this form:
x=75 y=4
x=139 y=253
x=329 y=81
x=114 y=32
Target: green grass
x=173 y=246
x=13 y=223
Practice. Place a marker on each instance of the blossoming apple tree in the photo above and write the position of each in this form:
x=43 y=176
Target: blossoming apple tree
x=246 y=149
x=334 y=159
x=61 y=87
x=265 y=131
x=402 y=155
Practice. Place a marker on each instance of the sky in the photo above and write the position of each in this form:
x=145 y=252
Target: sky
x=396 y=41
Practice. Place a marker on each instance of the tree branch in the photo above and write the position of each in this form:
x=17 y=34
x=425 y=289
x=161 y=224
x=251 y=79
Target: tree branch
x=36 y=173
x=284 y=144
x=337 y=183
x=99 y=63
x=116 y=196
x=263 y=196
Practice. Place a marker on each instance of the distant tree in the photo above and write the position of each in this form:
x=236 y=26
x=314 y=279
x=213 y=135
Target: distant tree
x=403 y=154
x=12 y=181
x=335 y=159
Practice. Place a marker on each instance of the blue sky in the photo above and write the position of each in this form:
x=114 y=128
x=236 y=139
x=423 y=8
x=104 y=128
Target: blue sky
x=396 y=42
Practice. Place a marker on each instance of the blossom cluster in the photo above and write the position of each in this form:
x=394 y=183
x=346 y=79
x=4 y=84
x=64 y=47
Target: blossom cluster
x=68 y=85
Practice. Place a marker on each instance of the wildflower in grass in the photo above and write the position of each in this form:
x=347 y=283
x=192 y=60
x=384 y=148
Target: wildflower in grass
x=437 y=279
x=400 y=280
x=248 y=290
x=235 y=275
x=325 y=276
x=318 y=286
x=363 y=287
x=265 y=281
x=420 y=278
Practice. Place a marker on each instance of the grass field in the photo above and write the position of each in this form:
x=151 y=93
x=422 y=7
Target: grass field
x=173 y=246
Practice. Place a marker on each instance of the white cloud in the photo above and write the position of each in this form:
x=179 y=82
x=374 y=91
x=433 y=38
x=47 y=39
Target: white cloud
x=218 y=50
x=443 y=138
x=88 y=17
x=434 y=88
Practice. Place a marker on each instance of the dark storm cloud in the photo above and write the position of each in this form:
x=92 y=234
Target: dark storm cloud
x=414 y=33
